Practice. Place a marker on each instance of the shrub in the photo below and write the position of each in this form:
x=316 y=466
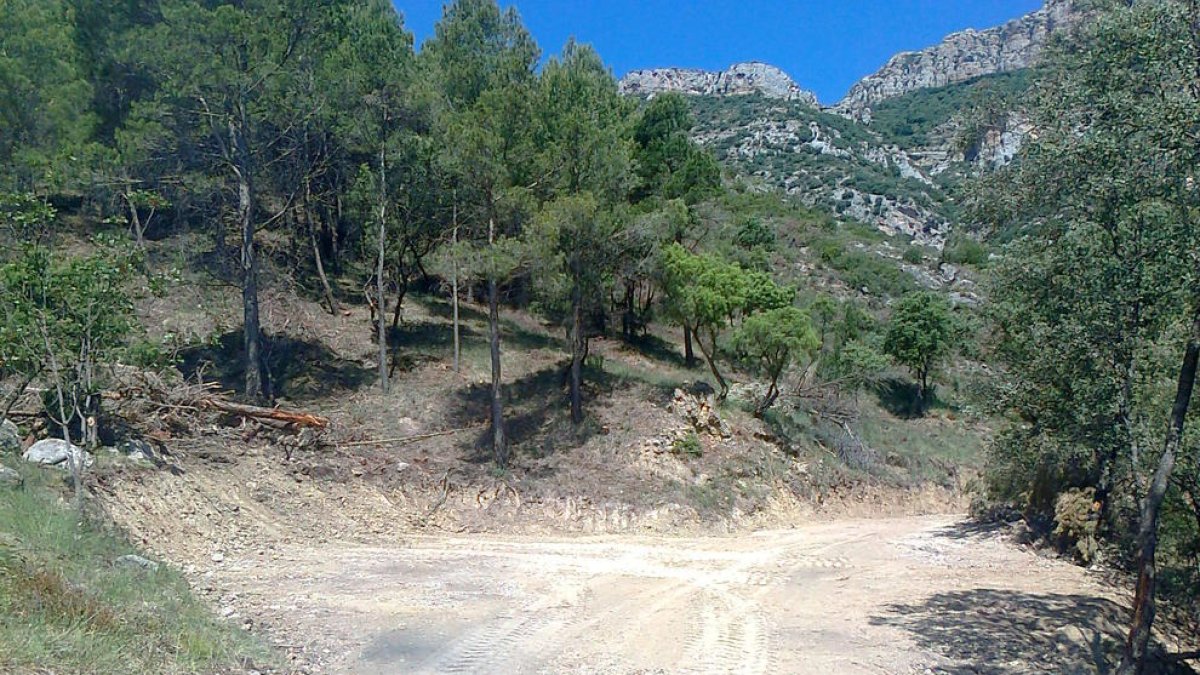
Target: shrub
x=688 y=445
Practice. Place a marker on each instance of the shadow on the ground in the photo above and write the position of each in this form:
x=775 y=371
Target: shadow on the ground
x=537 y=414
x=443 y=309
x=1001 y=632
x=898 y=396
x=409 y=336
x=300 y=370
x=972 y=529
x=513 y=334
x=656 y=348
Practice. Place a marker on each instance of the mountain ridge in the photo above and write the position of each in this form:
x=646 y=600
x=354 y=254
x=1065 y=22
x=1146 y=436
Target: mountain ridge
x=749 y=77
x=961 y=56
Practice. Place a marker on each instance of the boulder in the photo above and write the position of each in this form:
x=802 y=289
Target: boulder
x=10 y=438
x=56 y=452
x=135 y=449
x=136 y=562
x=10 y=479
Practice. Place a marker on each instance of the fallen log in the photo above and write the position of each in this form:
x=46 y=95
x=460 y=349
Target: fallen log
x=298 y=419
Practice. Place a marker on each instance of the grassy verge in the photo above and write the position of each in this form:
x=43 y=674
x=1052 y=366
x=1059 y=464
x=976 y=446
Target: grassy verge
x=66 y=607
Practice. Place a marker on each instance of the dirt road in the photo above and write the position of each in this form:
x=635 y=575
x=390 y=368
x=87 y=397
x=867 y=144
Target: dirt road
x=909 y=595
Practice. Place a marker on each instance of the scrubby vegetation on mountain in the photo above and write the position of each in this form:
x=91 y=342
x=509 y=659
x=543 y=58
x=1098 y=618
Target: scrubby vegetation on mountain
x=911 y=121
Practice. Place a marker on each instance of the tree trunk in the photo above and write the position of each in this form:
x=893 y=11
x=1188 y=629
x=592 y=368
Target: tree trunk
x=577 y=341
x=257 y=382
x=772 y=395
x=1138 y=643
x=710 y=353
x=920 y=405
x=499 y=442
x=135 y=219
x=18 y=391
x=689 y=356
x=401 y=291
x=629 y=315
x=454 y=289
x=382 y=327
x=316 y=251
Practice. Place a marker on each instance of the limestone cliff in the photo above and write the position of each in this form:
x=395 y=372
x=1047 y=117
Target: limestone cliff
x=961 y=56
x=740 y=79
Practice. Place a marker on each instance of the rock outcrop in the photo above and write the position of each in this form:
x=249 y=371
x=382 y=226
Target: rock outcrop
x=10 y=479
x=10 y=438
x=960 y=57
x=740 y=79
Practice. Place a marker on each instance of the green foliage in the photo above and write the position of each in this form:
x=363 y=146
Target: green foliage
x=910 y=120
x=24 y=217
x=669 y=164
x=913 y=255
x=920 y=336
x=688 y=445
x=1094 y=295
x=45 y=96
x=773 y=340
x=62 y=318
x=760 y=293
x=861 y=269
x=964 y=250
x=755 y=234
x=859 y=365
x=573 y=241
x=478 y=48
x=705 y=294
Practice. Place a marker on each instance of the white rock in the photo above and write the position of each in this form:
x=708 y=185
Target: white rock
x=136 y=561
x=57 y=452
x=10 y=478
x=739 y=79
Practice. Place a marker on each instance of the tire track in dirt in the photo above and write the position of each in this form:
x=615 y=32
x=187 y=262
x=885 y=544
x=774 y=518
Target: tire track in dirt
x=494 y=644
x=728 y=636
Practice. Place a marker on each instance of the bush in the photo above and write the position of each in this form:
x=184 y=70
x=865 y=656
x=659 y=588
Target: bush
x=963 y=250
x=688 y=445
x=1077 y=520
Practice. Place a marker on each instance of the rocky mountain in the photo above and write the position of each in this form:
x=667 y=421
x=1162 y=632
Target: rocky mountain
x=739 y=79
x=961 y=57
x=894 y=153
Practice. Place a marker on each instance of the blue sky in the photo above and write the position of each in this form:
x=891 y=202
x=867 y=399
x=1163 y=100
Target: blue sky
x=825 y=45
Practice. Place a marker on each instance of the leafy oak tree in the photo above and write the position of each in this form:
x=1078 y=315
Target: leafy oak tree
x=1097 y=308
x=920 y=336
x=774 y=340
